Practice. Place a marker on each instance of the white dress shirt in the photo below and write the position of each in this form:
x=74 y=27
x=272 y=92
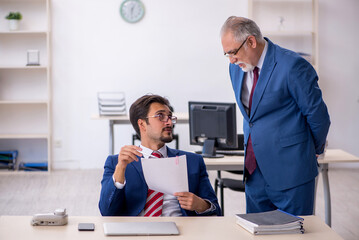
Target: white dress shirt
x=248 y=80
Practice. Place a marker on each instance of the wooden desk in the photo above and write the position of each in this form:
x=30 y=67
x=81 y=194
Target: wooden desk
x=331 y=156
x=236 y=162
x=191 y=228
x=113 y=120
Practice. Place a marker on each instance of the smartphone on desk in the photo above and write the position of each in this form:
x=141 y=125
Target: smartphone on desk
x=86 y=227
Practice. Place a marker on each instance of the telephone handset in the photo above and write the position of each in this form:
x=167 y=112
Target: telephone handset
x=57 y=218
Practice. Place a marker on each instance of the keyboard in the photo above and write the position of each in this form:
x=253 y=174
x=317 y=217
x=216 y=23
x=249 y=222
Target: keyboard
x=231 y=152
x=227 y=152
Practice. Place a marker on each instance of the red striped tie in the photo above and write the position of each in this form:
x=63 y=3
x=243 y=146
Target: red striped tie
x=154 y=202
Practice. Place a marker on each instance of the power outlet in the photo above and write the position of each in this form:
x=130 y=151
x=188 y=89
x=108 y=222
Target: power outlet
x=57 y=144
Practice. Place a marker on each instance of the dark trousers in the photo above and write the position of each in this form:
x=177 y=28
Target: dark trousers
x=260 y=197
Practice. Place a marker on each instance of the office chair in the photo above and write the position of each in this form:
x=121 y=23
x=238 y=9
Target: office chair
x=136 y=137
x=230 y=183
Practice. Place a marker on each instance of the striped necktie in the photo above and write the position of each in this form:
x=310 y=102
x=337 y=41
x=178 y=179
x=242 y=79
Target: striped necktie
x=250 y=162
x=154 y=201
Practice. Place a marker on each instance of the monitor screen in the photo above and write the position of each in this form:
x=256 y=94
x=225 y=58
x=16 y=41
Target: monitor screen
x=213 y=125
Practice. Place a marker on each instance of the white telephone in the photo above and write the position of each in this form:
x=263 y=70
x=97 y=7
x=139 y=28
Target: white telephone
x=57 y=218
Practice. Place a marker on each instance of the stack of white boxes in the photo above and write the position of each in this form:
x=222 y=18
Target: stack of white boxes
x=111 y=103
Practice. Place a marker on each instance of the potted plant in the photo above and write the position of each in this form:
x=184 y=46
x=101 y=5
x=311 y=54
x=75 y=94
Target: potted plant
x=14 y=19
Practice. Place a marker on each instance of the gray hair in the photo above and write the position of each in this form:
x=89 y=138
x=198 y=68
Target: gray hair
x=241 y=28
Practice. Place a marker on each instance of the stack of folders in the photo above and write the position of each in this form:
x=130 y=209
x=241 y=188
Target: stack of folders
x=272 y=222
x=8 y=159
x=34 y=166
x=111 y=103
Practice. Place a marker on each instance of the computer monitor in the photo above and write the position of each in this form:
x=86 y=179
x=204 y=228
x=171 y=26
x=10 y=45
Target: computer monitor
x=213 y=125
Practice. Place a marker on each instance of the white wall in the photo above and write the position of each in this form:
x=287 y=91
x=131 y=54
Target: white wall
x=174 y=51
x=339 y=63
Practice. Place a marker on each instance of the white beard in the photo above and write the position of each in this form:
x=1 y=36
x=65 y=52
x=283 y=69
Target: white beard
x=247 y=67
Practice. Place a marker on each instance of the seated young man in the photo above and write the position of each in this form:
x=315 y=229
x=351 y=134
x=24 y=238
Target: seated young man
x=124 y=190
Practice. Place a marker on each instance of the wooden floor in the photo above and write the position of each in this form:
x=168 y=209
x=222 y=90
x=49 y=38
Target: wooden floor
x=25 y=193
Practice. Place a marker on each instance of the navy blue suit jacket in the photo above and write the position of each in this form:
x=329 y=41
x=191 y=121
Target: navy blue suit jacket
x=130 y=200
x=289 y=120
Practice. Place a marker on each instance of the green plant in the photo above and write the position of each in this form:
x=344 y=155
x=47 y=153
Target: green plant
x=14 y=16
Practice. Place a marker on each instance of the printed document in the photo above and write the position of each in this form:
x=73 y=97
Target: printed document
x=166 y=175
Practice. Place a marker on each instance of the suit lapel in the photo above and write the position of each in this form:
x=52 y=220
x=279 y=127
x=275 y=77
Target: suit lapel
x=264 y=76
x=172 y=152
x=138 y=167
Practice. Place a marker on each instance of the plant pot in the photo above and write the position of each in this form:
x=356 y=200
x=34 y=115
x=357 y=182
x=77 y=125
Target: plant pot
x=14 y=24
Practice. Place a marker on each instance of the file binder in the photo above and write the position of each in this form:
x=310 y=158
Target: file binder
x=8 y=159
x=33 y=166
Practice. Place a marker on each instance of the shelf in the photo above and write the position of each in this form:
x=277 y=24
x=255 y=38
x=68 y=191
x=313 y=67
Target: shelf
x=27 y=32
x=288 y=33
x=24 y=102
x=292 y=24
x=282 y=1
x=23 y=67
x=22 y=1
x=25 y=91
x=24 y=136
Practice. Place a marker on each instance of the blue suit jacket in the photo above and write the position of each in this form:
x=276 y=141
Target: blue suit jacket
x=131 y=200
x=289 y=120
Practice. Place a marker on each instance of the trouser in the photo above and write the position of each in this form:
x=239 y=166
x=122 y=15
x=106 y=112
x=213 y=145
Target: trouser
x=260 y=197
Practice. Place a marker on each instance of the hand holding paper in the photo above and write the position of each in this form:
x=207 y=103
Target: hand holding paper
x=190 y=201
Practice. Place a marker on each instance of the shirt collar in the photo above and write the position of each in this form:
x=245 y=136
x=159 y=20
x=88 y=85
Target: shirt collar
x=146 y=152
x=261 y=59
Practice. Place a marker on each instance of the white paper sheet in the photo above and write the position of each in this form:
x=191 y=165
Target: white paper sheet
x=166 y=175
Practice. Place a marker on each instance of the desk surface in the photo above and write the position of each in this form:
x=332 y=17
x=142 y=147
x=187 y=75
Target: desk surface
x=338 y=156
x=236 y=162
x=18 y=227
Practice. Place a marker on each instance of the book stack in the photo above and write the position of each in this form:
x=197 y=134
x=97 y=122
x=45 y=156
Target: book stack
x=8 y=160
x=111 y=103
x=33 y=166
x=271 y=222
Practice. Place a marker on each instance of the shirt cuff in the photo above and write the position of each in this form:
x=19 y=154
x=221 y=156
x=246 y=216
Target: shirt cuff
x=210 y=209
x=117 y=184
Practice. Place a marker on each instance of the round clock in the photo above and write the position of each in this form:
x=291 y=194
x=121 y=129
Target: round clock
x=132 y=10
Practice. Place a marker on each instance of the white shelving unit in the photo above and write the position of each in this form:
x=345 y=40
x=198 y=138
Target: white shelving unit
x=25 y=91
x=299 y=28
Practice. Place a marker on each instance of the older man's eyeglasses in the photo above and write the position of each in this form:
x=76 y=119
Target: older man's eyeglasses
x=234 y=52
x=164 y=118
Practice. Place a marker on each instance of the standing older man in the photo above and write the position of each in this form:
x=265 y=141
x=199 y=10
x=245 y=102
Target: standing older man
x=285 y=120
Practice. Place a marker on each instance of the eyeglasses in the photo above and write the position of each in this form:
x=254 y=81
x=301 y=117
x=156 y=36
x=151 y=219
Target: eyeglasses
x=233 y=53
x=164 y=118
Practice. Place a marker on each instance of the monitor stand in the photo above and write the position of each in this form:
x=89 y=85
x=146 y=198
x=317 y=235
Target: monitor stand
x=209 y=150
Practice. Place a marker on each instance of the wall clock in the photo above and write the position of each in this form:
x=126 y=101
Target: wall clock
x=132 y=11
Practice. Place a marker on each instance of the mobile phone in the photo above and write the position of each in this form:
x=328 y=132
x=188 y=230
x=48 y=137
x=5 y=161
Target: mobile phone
x=86 y=227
